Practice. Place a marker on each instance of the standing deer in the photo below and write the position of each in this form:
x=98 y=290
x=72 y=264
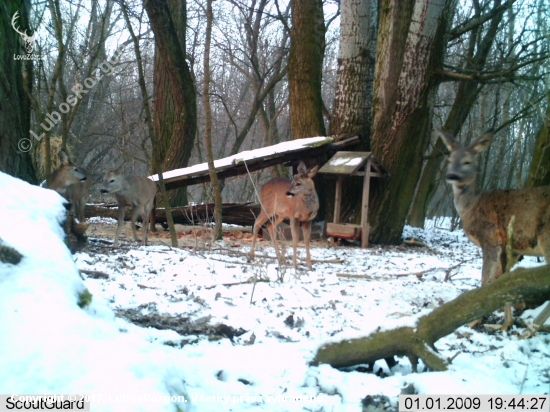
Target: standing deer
x=136 y=191
x=295 y=200
x=486 y=216
x=78 y=194
x=66 y=175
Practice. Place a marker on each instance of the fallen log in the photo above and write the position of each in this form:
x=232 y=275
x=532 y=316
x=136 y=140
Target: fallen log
x=243 y=214
x=418 y=342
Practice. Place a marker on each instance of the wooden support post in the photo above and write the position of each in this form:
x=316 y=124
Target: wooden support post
x=153 y=219
x=338 y=200
x=365 y=207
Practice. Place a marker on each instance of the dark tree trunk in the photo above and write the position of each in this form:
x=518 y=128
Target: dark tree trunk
x=540 y=168
x=412 y=42
x=305 y=72
x=15 y=84
x=208 y=129
x=175 y=92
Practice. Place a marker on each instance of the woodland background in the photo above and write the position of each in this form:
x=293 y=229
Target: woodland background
x=203 y=79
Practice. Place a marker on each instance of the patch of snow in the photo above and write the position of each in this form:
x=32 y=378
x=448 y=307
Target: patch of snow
x=50 y=345
x=248 y=155
x=342 y=161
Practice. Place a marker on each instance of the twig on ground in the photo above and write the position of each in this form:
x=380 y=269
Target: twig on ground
x=246 y=282
x=95 y=274
x=401 y=275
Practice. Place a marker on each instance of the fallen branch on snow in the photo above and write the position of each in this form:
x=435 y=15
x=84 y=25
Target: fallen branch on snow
x=418 y=343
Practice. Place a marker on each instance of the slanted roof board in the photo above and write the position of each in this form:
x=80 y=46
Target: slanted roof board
x=345 y=163
x=255 y=160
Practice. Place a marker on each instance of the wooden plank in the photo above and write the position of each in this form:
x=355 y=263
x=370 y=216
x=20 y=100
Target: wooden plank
x=365 y=207
x=257 y=164
x=232 y=213
x=345 y=163
x=371 y=175
x=338 y=200
x=343 y=231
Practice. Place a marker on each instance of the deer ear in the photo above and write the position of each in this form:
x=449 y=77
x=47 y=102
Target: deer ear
x=119 y=169
x=312 y=172
x=448 y=139
x=302 y=168
x=64 y=157
x=481 y=143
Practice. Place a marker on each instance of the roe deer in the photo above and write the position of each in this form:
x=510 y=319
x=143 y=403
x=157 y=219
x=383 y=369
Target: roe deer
x=136 y=191
x=65 y=176
x=295 y=200
x=78 y=194
x=486 y=216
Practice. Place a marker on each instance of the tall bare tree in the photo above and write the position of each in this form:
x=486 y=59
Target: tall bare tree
x=208 y=130
x=412 y=41
x=540 y=168
x=354 y=89
x=151 y=129
x=78 y=55
x=175 y=100
x=305 y=71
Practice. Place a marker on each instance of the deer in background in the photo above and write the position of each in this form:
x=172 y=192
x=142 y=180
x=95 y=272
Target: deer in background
x=295 y=200
x=61 y=181
x=68 y=174
x=78 y=194
x=129 y=190
x=486 y=215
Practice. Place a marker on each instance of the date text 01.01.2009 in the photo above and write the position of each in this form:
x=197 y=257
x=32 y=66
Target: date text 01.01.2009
x=474 y=403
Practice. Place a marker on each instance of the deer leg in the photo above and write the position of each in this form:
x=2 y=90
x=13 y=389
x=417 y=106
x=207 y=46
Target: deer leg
x=260 y=220
x=75 y=207
x=135 y=214
x=80 y=210
x=294 y=230
x=492 y=263
x=273 y=232
x=145 y=226
x=121 y=213
x=306 y=228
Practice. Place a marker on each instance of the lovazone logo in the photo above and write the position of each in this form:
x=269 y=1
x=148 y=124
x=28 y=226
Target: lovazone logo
x=29 y=41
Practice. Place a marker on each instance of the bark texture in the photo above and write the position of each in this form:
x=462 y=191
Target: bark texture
x=175 y=91
x=354 y=87
x=208 y=129
x=540 y=168
x=305 y=72
x=15 y=106
x=151 y=130
x=354 y=92
x=411 y=47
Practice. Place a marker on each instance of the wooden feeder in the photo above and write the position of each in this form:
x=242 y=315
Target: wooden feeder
x=352 y=164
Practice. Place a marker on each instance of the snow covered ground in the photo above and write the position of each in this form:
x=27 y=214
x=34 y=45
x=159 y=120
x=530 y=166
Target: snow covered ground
x=51 y=345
